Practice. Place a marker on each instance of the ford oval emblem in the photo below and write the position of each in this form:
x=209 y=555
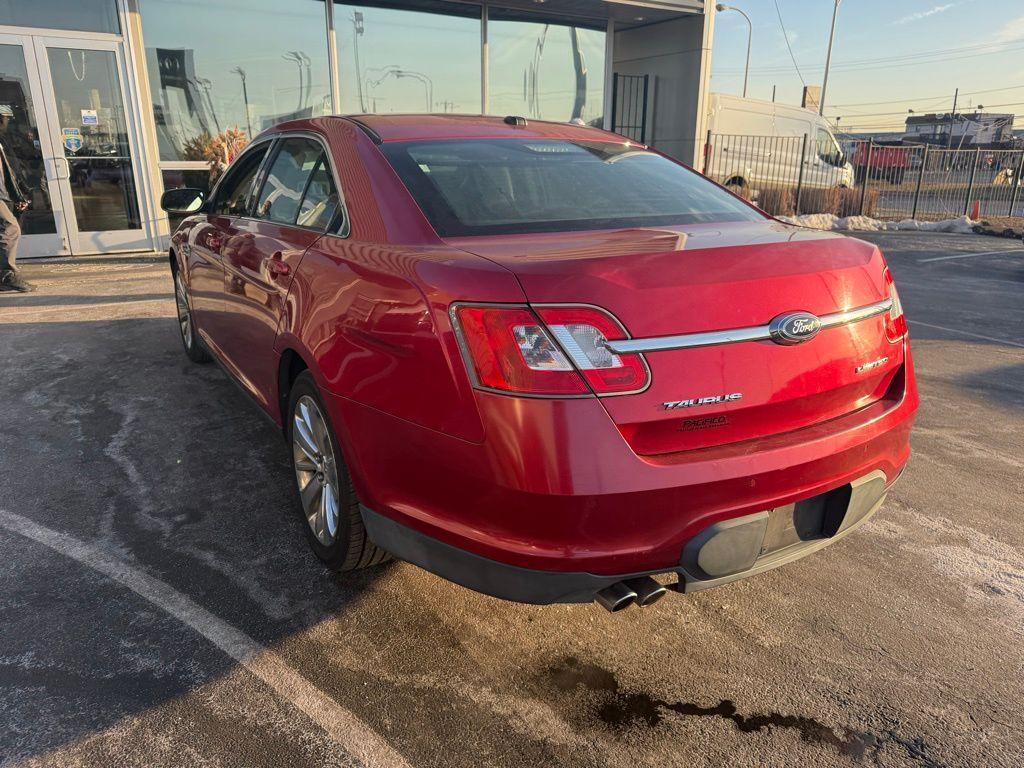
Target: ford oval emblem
x=794 y=328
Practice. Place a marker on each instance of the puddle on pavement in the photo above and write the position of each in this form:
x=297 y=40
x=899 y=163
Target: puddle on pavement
x=619 y=709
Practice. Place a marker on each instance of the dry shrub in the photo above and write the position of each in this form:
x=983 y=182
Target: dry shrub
x=848 y=202
x=841 y=201
x=777 y=201
x=819 y=200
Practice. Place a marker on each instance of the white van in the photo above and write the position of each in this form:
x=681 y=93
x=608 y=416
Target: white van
x=757 y=143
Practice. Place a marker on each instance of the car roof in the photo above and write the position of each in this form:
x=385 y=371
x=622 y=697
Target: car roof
x=386 y=128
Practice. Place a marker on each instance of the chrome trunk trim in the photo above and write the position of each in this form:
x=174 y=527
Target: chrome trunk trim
x=736 y=335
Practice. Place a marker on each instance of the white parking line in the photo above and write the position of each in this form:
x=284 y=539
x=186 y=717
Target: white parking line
x=968 y=333
x=344 y=727
x=970 y=255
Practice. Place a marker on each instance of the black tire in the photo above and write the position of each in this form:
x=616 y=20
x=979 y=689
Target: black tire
x=350 y=548
x=186 y=324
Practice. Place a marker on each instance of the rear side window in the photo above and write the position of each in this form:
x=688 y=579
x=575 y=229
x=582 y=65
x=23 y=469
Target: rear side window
x=299 y=188
x=234 y=193
x=506 y=186
x=320 y=202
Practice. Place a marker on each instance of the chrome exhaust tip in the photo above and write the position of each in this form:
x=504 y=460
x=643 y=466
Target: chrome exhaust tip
x=616 y=597
x=647 y=590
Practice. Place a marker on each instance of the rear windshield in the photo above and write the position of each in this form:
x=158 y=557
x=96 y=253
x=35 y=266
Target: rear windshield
x=505 y=186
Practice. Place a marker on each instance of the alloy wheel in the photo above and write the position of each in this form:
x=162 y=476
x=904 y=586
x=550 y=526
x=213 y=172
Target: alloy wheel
x=315 y=470
x=184 y=318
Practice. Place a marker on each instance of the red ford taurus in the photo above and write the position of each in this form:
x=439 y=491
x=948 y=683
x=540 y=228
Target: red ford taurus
x=542 y=361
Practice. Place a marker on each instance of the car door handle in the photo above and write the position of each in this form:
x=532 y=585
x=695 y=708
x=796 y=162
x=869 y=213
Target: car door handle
x=277 y=267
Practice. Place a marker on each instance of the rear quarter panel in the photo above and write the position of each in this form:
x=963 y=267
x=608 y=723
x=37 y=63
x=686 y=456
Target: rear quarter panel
x=372 y=321
x=369 y=312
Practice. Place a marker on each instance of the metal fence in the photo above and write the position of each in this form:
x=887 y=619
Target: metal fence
x=629 y=105
x=805 y=174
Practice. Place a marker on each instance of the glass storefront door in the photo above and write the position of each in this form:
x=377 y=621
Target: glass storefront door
x=26 y=145
x=72 y=139
x=91 y=128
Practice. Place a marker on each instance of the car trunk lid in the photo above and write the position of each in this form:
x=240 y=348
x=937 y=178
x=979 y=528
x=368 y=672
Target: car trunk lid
x=703 y=279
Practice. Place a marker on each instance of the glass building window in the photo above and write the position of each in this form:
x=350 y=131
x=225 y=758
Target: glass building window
x=546 y=71
x=245 y=64
x=408 y=61
x=82 y=15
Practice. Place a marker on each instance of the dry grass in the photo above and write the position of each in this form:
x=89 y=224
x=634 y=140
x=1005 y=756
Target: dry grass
x=819 y=200
x=781 y=201
x=777 y=201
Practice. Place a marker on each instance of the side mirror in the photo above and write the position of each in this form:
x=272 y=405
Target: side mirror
x=183 y=200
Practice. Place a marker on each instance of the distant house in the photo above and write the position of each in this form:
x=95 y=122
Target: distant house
x=973 y=128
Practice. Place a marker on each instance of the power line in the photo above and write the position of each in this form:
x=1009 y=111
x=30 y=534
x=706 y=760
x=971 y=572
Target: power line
x=928 y=98
x=785 y=35
x=987 y=106
x=907 y=60
x=984 y=48
x=921 y=105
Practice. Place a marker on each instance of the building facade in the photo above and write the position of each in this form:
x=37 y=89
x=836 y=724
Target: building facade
x=112 y=101
x=960 y=129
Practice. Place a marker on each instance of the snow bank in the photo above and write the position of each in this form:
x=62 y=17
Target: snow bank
x=962 y=225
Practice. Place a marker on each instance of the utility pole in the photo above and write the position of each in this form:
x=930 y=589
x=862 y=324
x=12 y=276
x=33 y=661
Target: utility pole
x=828 y=58
x=773 y=94
x=952 y=120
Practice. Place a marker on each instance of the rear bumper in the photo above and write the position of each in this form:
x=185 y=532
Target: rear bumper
x=720 y=554
x=553 y=505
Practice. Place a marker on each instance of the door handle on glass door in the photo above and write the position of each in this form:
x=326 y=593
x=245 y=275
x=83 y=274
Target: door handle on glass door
x=56 y=166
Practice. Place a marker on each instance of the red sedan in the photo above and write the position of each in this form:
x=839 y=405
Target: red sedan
x=541 y=360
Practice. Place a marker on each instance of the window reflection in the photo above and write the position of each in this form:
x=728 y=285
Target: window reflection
x=546 y=71
x=245 y=64
x=20 y=140
x=408 y=61
x=84 y=15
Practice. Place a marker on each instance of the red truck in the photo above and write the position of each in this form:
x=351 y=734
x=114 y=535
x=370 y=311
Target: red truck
x=887 y=161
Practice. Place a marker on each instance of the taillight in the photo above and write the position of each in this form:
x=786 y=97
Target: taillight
x=511 y=350
x=583 y=332
x=895 y=322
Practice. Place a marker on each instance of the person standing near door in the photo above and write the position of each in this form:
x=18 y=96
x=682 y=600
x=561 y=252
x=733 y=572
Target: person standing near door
x=13 y=201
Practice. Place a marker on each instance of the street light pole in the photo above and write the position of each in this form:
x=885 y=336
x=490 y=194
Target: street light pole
x=828 y=58
x=245 y=99
x=750 y=36
x=357 y=32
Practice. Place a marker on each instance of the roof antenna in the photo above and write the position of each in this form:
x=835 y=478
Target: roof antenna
x=515 y=120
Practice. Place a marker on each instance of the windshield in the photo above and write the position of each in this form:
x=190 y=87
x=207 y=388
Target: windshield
x=506 y=186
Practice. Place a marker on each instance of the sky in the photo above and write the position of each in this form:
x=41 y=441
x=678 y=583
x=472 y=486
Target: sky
x=889 y=56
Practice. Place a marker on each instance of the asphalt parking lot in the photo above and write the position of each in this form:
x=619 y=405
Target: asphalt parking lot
x=159 y=607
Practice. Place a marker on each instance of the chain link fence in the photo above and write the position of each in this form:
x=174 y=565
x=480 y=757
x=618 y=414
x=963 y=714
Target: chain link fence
x=788 y=175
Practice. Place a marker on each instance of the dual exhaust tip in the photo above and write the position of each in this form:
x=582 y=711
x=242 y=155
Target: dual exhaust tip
x=642 y=591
